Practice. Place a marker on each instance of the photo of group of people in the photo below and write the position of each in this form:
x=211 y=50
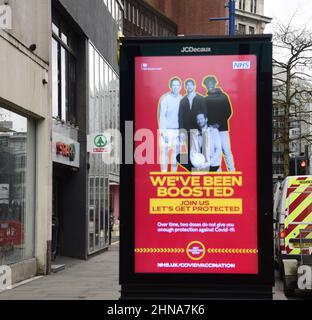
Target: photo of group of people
x=201 y=123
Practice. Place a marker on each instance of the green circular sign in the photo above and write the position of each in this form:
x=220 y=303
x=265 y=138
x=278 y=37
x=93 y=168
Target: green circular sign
x=100 y=141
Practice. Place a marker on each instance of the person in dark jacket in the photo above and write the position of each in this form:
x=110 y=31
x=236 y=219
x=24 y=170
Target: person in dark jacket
x=219 y=111
x=190 y=106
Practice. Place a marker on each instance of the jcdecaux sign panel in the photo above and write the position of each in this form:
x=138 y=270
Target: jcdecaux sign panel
x=199 y=163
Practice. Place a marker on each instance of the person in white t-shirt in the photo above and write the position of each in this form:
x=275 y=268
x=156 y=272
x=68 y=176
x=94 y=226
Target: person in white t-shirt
x=168 y=122
x=206 y=142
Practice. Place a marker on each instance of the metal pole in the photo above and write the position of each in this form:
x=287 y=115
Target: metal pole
x=232 y=17
x=296 y=166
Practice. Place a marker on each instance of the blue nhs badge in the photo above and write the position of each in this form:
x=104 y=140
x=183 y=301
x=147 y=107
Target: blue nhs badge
x=241 y=65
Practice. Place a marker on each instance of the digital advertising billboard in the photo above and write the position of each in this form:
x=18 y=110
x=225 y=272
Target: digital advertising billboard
x=196 y=197
x=198 y=220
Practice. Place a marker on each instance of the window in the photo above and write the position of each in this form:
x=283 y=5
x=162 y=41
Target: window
x=251 y=5
x=17 y=187
x=126 y=11
x=103 y=115
x=146 y=23
x=255 y=6
x=120 y=20
x=63 y=72
x=251 y=30
x=240 y=5
x=55 y=80
x=129 y=12
x=244 y=2
x=91 y=70
x=241 y=28
x=149 y=25
x=114 y=9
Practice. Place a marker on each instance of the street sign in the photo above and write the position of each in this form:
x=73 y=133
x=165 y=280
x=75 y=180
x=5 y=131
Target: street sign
x=203 y=217
x=99 y=143
x=65 y=150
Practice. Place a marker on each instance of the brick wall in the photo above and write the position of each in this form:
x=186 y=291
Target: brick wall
x=192 y=16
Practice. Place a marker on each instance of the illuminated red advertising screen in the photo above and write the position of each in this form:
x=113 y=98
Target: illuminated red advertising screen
x=196 y=164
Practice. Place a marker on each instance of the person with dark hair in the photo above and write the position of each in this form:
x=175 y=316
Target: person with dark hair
x=205 y=147
x=190 y=106
x=219 y=111
x=168 y=123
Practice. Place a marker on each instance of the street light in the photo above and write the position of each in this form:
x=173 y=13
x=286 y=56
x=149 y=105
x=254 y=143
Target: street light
x=231 y=18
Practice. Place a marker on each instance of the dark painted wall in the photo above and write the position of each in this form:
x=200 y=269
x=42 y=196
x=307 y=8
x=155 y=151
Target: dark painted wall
x=75 y=206
x=73 y=183
x=97 y=23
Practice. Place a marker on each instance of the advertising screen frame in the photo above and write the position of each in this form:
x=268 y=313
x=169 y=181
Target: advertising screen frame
x=261 y=47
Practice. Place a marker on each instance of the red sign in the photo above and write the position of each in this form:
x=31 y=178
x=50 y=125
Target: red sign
x=65 y=150
x=197 y=215
x=11 y=233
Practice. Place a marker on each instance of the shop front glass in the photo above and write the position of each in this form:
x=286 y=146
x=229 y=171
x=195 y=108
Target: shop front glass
x=17 y=187
x=103 y=115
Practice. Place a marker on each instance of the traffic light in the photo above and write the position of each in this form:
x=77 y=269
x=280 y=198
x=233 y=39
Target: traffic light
x=302 y=166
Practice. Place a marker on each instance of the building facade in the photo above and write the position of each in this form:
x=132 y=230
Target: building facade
x=299 y=121
x=249 y=17
x=25 y=137
x=142 y=19
x=60 y=83
x=85 y=101
x=192 y=17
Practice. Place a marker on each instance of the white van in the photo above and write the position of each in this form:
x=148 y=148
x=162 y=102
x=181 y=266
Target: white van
x=293 y=227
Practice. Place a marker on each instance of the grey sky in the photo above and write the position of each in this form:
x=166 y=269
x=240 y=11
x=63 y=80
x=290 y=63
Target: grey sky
x=283 y=10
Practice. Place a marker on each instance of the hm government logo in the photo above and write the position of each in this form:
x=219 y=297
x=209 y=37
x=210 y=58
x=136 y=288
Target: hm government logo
x=146 y=67
x=5 y=17
x=237 y=65
x=195 y=50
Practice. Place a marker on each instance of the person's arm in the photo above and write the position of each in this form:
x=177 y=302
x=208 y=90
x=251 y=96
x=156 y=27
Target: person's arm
x=216 y=140
x=193 y=141
x=163 y=104
x=206 y=138
x=182 y=131
x=181 y=124
x=202 y=104
x=228 y=109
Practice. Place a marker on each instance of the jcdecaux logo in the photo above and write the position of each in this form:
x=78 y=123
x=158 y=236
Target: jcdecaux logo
x=195 y=50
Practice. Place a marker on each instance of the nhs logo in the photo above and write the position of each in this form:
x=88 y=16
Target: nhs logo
x=241 y=65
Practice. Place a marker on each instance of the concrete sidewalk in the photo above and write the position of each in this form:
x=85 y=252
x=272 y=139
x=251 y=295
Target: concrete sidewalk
x=95 y=279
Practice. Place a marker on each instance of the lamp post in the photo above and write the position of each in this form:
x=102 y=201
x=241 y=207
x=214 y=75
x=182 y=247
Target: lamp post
x=231 y=18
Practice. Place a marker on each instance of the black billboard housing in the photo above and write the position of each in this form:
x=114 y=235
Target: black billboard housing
x=199 y=285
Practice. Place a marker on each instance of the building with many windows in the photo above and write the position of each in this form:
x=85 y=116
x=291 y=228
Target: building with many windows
x=192 y=17
x=141 y=19
x=25 y=133
x=85 y=91
x=59 y=84
x=249 y=17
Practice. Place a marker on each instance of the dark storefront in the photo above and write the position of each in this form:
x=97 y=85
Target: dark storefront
x=85 y=100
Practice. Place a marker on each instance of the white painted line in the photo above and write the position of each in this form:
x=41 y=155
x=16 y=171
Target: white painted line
x=115 y=243
x=25 y=282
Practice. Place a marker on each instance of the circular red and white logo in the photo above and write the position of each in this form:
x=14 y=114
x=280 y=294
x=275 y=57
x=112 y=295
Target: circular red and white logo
x=195 y=250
